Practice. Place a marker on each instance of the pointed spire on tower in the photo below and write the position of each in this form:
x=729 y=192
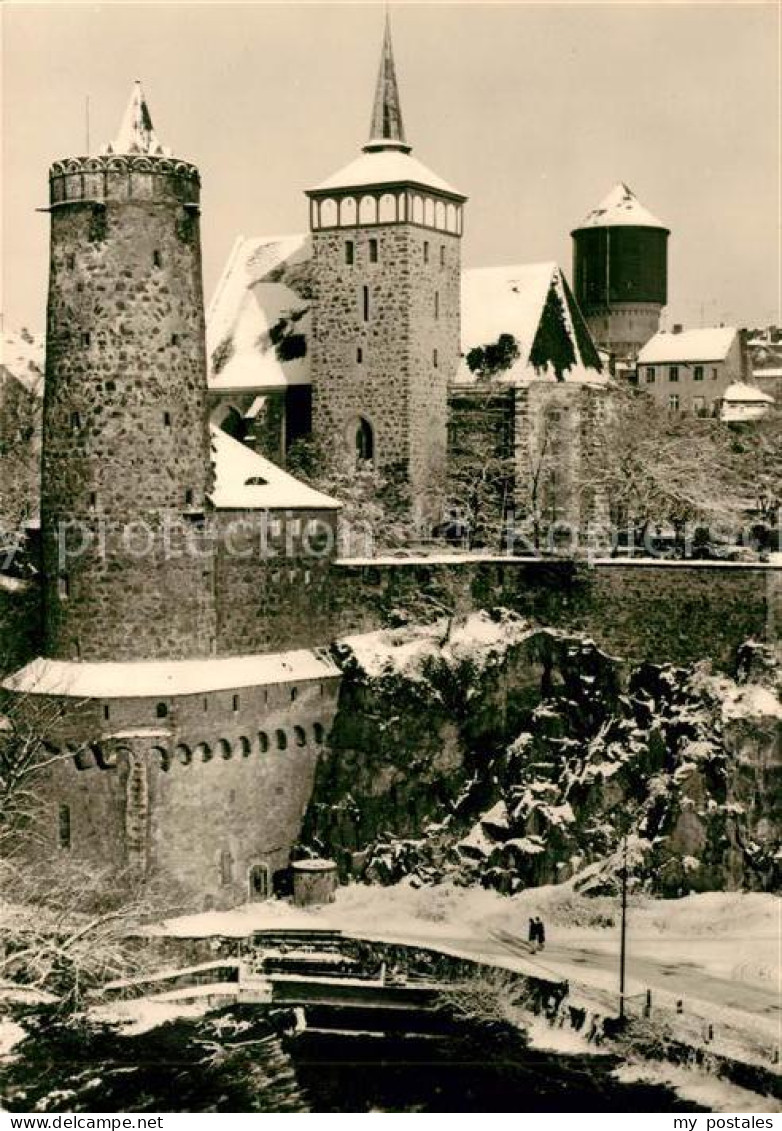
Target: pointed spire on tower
x=387 y=130
x=136 y=132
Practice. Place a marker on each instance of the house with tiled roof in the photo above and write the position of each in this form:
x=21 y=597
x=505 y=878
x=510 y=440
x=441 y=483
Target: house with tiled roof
x=691 y=370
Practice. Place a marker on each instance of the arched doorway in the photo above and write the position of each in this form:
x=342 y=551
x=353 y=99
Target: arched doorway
x=364 y=440
x=258 y=879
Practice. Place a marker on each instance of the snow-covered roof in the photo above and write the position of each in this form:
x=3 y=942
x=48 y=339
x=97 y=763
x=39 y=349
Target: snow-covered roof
x=245 y=480
x=740 y=392
x=511 y=300
x=22 y=355
x=759 y=374
x=709 y=344
x=141 y=679
x=136 y=132
x=621 y=208
x=255 y=302
x=258 y=290
x=385 y=167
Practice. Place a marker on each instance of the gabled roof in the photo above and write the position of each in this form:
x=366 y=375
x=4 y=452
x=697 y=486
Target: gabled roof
x=254 y=307
x=709 y=344
x=621 y=208
x=22 y=356
x=512 y=300
x=245 y=480
x=495 y=300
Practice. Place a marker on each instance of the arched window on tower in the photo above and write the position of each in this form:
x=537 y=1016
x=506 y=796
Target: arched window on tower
x=328 y=213
x=365 y=440
x=367 y=210
x=387 y=209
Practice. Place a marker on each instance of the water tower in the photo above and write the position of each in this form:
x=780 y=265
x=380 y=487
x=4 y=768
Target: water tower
x=620 y=272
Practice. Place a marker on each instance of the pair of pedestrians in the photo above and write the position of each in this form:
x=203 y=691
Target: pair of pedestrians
x=537 y=932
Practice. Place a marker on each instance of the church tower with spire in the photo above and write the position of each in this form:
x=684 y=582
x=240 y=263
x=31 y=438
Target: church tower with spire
x=126 y=459
x=386 y=235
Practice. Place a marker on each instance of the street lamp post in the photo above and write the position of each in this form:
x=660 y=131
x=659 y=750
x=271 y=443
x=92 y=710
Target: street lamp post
x=623 y=929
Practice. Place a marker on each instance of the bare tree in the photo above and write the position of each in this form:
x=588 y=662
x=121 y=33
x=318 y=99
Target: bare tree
x=20 y=445
x=481 y=466
x=375 y=513
x=757 y=465
x=658 y=467
x=28 y=725
x=67 y=928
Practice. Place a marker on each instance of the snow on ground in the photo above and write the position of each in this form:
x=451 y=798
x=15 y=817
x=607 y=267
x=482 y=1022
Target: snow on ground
x=141 y=1015
x=11 y=1035
x=404 y=651
x=699 y=1087
x=708 y=942
x=745 y=700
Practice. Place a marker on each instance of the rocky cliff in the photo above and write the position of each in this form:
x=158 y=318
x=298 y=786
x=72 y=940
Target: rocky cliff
x=511 y=756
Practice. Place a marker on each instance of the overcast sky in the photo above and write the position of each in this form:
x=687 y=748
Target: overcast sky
x=533 y=111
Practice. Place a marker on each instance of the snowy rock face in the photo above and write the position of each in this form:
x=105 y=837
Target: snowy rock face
x=510 y=757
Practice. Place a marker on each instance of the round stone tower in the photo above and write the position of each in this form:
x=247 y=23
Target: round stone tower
x=126 y=463
x=620 y=272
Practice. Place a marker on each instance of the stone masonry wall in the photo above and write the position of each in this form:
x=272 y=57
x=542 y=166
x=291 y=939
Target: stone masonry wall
x=664 y=612
x=409 y=344
x=272 y=591
x=125 y=422
x=201 y=795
